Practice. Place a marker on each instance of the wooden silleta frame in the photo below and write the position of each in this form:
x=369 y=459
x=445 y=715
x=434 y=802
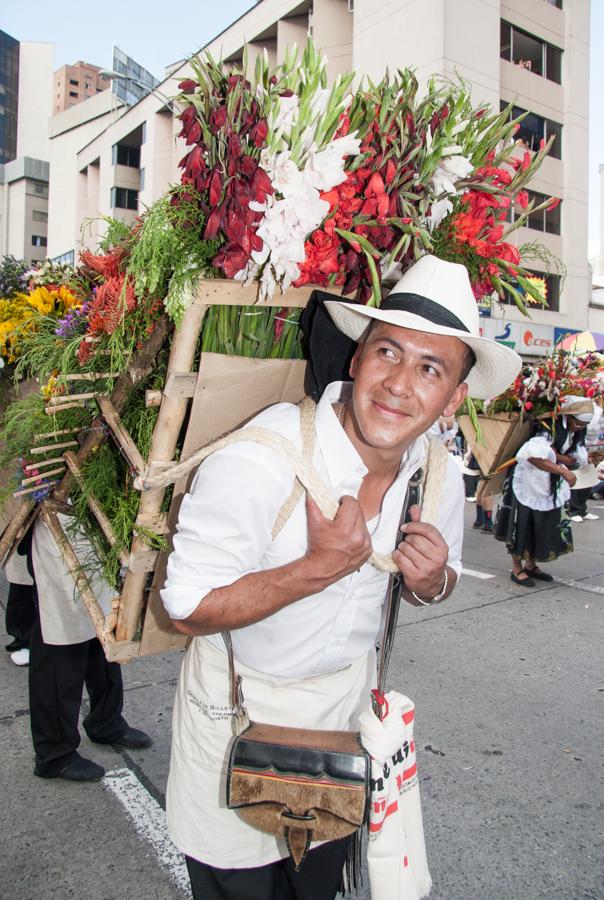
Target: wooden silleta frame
x=138 y=625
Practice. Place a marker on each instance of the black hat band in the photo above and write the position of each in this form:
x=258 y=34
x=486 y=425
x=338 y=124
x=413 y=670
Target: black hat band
x=424 y=307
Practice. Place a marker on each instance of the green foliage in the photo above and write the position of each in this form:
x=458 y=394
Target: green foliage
x=253 y=331
x=170 y=255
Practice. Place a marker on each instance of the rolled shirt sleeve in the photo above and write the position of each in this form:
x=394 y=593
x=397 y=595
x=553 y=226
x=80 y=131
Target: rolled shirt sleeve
x=225 y=523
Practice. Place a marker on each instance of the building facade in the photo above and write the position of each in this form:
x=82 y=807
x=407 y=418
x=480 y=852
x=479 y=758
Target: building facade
x=73 y=84
x=531 y=53
x=25 y=108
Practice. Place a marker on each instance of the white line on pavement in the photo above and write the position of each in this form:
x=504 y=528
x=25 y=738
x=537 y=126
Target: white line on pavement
x=580 y=585
x=150 y=823
x=474 y=574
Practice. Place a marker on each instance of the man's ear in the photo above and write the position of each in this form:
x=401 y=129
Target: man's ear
x=457 y=398
x=354 y=362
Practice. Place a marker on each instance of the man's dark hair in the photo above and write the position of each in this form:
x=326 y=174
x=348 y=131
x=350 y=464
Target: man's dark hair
x=468 y=363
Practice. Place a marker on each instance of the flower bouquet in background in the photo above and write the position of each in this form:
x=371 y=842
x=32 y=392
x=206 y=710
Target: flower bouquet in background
x=539 y=389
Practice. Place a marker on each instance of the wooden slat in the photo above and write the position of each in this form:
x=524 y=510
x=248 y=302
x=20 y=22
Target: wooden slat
x=181 y=384
x=59 y=433
x=58 y=471
x=42 y=463
x=121 y=434
x=94 y=506
x=59 y=399
x=36 y=487
x=59 y=408
x=48 y=447
x=153 y=398
x=142 y=561
x=221 y=292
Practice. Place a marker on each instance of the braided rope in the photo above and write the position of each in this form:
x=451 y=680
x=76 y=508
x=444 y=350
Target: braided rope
x=306 y=473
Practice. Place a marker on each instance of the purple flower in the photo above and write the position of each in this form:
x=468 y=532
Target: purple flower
x=73 y=323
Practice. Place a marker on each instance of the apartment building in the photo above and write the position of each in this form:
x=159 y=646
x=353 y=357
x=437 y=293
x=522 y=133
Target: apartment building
x=532 y=53
x=73 y=84
x=25 y=108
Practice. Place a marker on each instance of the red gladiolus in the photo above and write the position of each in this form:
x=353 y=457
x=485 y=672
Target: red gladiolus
x=528 y=405
x=555 y=202
x=526 y=160
x=187 y=86
x=212 y=225
x=218 y=118
x=522 y=199
x=390 y=171
x=375 y=186
x=259 y=133
x=215 y=188
x=193 y=134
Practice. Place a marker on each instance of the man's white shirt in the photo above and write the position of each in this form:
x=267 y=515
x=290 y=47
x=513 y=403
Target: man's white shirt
x=224 y=532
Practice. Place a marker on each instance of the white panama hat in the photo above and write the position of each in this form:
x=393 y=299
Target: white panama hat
x=435 y=296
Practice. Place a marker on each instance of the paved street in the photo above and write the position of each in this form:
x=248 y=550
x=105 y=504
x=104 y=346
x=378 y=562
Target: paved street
x=509 y=689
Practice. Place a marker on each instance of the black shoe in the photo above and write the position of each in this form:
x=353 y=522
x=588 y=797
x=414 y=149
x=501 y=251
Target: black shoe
x=487 y=528
x=477 y=526
x=130 y=739
x=524 y=582
x=539 y=575
x=77 y=769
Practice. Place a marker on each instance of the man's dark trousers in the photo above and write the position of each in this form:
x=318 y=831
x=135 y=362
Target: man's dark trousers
x=319 y=878
x=57 y=675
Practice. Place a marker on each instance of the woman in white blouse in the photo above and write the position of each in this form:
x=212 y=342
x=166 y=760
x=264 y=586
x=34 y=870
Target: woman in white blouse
x=531 y=519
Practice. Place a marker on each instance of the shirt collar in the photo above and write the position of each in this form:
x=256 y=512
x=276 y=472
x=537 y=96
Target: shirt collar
x=341 y=458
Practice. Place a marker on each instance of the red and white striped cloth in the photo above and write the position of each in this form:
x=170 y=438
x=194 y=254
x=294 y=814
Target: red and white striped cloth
x=396 y=855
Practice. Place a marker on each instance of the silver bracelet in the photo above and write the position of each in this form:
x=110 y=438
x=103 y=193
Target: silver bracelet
x=438 y=596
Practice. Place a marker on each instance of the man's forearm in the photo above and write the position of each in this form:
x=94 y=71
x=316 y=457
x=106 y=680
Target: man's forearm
x=253 y=597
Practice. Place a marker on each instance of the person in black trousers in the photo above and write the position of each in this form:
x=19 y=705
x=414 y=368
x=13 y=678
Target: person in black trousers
x=57 y=675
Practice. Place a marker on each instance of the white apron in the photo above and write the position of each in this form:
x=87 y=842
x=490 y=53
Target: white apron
x=203 y=728
x=64 y=618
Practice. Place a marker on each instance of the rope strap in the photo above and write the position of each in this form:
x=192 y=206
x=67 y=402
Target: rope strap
x=307 y=475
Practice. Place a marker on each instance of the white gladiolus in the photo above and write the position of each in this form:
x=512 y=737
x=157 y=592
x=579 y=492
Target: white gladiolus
x=440 y=210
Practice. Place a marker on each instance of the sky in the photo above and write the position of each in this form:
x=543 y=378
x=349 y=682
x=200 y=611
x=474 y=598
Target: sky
x=145 y=31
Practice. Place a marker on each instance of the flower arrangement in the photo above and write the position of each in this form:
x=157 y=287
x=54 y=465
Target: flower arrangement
x=302 y=184
x=539 y=389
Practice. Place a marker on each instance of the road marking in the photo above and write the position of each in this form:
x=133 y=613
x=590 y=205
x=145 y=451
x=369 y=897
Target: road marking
x=580 y=586
x=150 y=823
x=474 y=574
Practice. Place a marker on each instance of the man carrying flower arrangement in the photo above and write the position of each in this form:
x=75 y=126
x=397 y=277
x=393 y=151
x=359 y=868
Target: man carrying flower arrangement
x=305 y=607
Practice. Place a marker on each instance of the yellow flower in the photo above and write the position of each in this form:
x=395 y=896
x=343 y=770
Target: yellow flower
x=42 y=300
x=66 y=299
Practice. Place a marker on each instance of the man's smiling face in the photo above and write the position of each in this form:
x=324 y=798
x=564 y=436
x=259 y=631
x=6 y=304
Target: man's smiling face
x=403 y=381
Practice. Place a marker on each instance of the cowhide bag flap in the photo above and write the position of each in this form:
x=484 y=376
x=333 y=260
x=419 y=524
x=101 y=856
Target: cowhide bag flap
x=299 y=784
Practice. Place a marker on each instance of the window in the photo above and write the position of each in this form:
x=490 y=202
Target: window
x=534 y=129
x=41 y=189
x=39 y=215
x=530 y=52
x=552 y=290
x=65 y=258
x=547 y=220
x=144 y=133
x=38 y=240
x=74 y=82
x=87 y=85
x=124 y=198
x=126 y=156
x=73 y=94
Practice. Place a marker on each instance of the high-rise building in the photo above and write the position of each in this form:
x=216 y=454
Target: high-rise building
x=25 y=108
x=73 y=84
x=9 y=94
